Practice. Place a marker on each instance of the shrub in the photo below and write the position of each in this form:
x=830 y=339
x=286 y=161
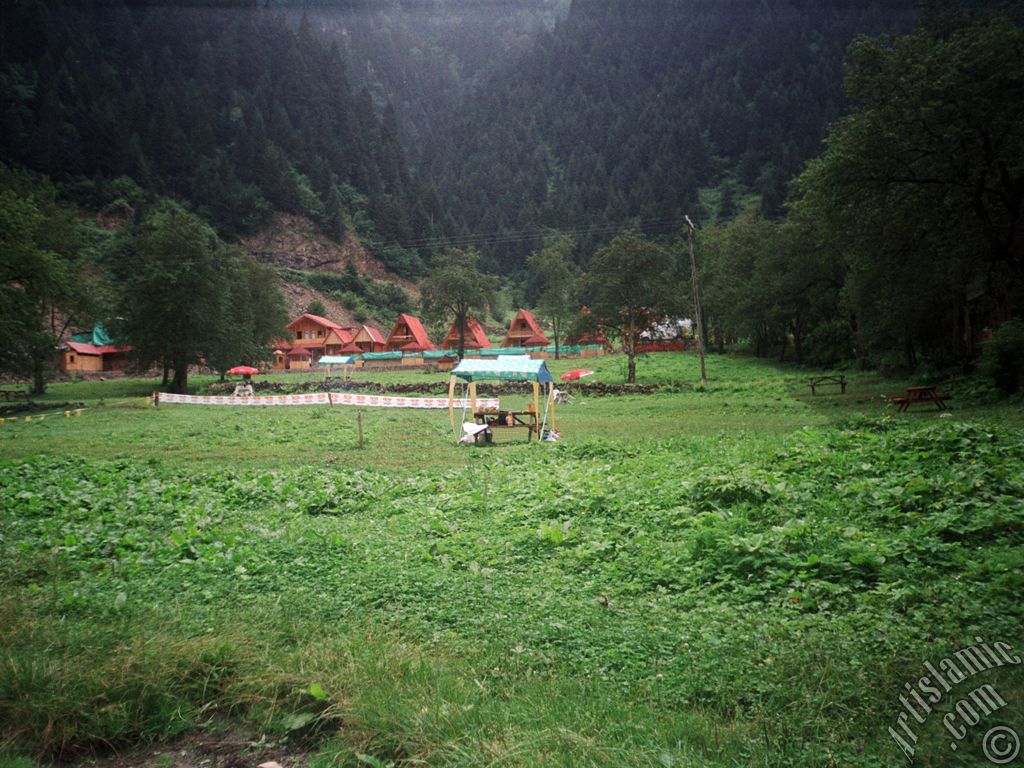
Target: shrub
x=1002 y=362
x=829 y=344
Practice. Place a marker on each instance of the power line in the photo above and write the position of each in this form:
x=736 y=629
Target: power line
x=523 y=235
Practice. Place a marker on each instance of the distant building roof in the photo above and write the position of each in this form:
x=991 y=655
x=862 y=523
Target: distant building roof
x=316 y=319
x=97 y=349
x=375 y=335
x=475 y=336
x=414 y=330
x=523 y=329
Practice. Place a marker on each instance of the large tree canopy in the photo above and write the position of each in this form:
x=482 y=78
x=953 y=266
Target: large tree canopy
x=457 y=288
x=631 y=282
x=554 y=270
x=921 y=188
x=191 y=299
x=44 y=286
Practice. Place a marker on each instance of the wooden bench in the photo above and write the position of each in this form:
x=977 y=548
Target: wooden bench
x=819 y=381
x=13 y=394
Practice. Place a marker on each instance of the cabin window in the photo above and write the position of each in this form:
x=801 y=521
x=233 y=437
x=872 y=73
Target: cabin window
x=71 y=358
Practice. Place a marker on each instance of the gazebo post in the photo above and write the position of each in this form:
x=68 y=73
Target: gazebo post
x=451 y=403
x=536 y=409
x=551 y=402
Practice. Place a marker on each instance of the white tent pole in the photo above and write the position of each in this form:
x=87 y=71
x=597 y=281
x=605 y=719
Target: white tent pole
x=451 y=408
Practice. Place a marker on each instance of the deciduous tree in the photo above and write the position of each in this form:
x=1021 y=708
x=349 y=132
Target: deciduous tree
x=44 y=287
x=921 y=187
x=177 y=301
x=553 y=267
x=457 y=288
x=630 y=283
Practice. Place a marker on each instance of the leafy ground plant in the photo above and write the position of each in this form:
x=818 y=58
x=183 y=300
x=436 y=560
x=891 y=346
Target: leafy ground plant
x=748 y=595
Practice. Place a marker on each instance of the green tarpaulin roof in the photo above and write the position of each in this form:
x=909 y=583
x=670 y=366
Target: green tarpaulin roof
x=505 y=368
x=97 y=336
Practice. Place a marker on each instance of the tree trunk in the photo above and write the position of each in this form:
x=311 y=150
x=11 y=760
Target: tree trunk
x=629 y=344
x=462 y=337
x=911 y=354
x=38 y=374
x=555 y=323
x=180 y=383
x=167 y=373
x=860 y=352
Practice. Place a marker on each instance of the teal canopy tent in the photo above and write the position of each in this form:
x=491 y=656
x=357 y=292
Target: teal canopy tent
x=504 y=368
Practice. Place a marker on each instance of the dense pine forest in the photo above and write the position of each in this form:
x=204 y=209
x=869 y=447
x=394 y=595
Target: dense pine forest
x=606 y=113
x=229 y=109
x=526 y=116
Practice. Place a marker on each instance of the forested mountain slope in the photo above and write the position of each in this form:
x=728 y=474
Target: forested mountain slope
x=626 y=110
x=233 y=110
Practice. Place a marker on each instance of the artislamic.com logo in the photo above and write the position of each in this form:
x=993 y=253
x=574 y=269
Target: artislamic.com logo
x=1000 y=744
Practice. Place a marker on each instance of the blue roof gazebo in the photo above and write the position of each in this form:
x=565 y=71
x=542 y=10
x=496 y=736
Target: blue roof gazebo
x=503 y=368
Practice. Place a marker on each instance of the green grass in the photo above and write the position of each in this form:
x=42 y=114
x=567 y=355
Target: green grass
x=760 y=400
x=740 y=576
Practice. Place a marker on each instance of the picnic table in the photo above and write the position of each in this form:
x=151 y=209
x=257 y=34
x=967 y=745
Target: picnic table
x=498 y=419
x=917 y=395
x=818 y=381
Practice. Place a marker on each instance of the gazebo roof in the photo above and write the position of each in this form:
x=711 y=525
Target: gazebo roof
x=504 y=368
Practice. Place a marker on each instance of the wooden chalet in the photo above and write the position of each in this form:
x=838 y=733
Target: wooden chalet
x=93 y=350
x=408 y=335
x=525 y=331
x=319 y=335
x=475 y=336
x=369 y=339
x=80 y=356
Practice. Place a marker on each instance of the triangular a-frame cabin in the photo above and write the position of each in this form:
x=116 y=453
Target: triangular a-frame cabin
x=524 y=331
x=409 y=329
x=369 y=339
x=475 y=336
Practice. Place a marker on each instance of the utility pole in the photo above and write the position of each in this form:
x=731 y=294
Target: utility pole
x=698 y=323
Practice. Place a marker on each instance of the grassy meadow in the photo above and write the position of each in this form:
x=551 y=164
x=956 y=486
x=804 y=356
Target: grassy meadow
x=736 y=575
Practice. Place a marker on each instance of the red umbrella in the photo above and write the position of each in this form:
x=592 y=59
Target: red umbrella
x=245 y=370
x=576 y=374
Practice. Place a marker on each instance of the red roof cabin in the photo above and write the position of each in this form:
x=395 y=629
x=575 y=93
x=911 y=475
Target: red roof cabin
x=369 y=339
x=78 y=356
x=524 y=331
x=475 y=336
x=408 y=330
x=594 y=335
x=319 y=335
